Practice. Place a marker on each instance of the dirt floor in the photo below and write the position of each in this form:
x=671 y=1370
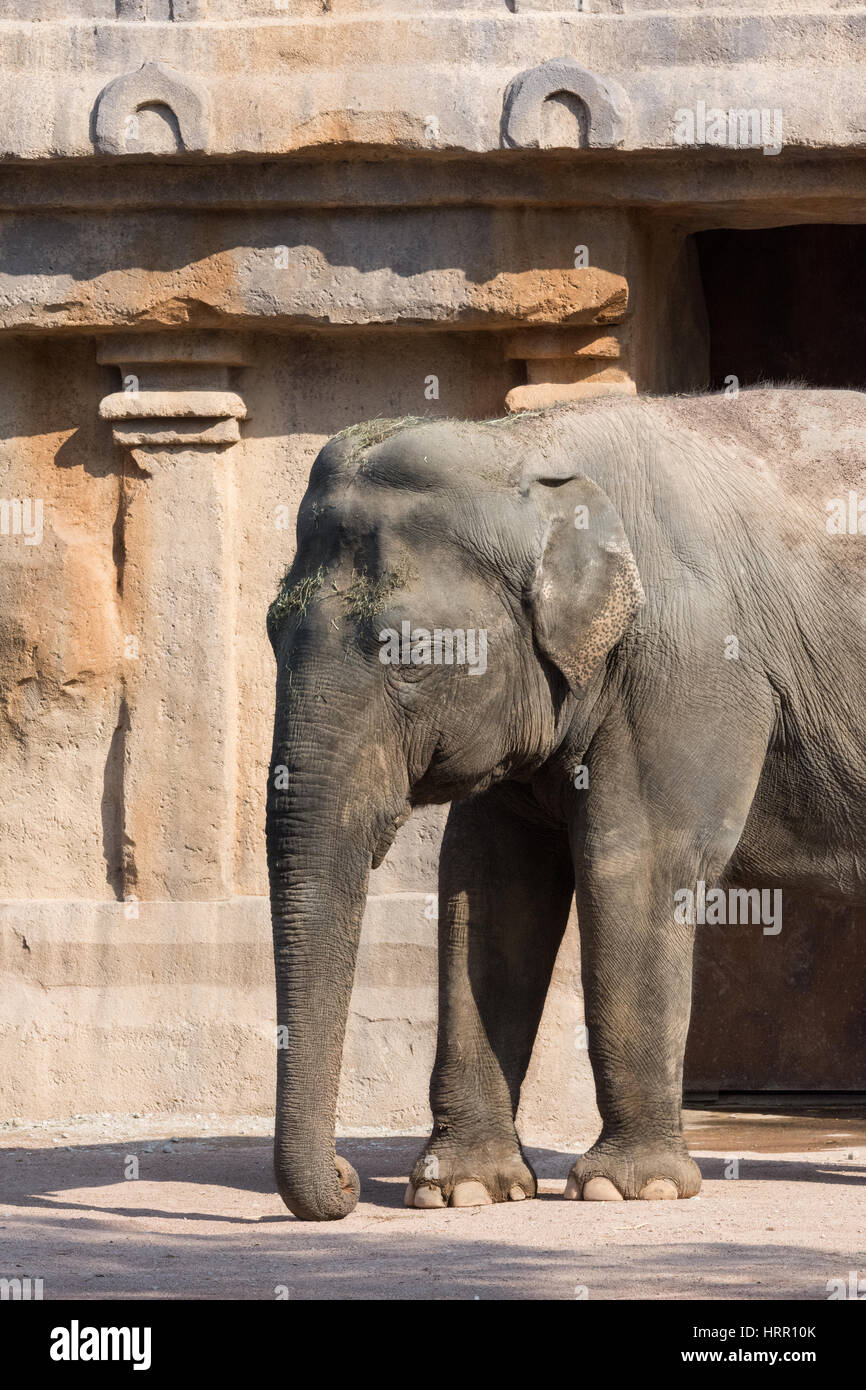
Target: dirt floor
x=201 y=1220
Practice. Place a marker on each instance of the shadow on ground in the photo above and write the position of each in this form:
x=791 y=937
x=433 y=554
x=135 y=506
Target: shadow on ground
x=201 y=1220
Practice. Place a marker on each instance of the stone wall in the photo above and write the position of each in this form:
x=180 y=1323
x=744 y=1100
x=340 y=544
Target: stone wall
x=137 y=686
x=226 y=232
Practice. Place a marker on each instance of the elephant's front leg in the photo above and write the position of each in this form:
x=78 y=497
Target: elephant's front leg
x=505 y=888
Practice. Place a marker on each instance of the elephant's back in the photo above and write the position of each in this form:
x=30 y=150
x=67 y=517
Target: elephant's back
x=811 y=442
x=766 y=471
x=804 y=442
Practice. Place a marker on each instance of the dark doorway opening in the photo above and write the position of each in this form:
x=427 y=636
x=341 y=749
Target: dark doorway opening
x=782 y=1017
x=786 y=304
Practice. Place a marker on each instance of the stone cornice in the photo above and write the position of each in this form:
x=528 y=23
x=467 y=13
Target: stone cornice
x=177 y=271
x=695 y=184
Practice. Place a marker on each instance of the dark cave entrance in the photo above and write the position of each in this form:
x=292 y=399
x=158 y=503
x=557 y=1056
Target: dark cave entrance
x=781 y=1019
x=786 y=304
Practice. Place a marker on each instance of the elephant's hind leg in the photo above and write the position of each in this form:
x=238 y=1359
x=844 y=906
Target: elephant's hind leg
x=505 y=888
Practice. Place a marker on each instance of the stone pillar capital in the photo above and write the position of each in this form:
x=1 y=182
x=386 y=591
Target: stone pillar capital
x=177 y=394
x=567 y=364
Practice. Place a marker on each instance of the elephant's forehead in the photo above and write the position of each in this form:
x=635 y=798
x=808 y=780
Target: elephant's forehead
x=384 y=522
x=374 y=508
x=427 y=490
x=427 y=458
x=458 y=456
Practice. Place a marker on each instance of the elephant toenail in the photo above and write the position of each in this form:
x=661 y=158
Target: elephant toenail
x=516 y=1193
x=428 y=1196
x=601 y=1190
x=470 y=1194
x=659 y=1190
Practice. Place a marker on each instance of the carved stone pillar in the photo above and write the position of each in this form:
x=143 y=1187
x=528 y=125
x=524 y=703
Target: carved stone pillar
x=178 y=415
x=567 y=364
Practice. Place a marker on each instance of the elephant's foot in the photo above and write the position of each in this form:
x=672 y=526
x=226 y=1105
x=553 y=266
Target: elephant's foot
x=472 y=1176
x=611 y=1172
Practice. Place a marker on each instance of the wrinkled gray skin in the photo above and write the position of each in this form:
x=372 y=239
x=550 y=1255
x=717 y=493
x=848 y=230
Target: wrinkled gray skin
x=606 y=648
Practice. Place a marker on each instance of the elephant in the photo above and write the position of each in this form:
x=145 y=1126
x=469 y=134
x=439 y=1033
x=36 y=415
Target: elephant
x=671 y=592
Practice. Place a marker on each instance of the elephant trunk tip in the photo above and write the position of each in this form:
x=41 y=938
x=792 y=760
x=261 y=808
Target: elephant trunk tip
x=328 y=1196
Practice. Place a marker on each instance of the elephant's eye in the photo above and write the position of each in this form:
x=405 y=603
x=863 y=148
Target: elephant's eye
x=406 y=652
x=412 y=673
x=404 y=680
x=406 y=672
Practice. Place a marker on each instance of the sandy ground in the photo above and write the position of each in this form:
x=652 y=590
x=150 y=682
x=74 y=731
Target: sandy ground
x=201 y=1219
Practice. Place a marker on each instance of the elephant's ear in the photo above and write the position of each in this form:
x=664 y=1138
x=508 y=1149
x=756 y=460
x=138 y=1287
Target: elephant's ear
x=586 y=588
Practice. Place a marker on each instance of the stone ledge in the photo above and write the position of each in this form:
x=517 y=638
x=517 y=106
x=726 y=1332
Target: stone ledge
x=168 y=405
x=504 y=268
x=741 y=188
x=181 y=433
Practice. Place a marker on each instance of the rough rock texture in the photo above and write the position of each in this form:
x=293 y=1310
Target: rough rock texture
x=228 y=229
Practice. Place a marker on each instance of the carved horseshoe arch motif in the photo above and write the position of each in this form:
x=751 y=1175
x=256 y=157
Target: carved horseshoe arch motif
x=607 y=104
x=153 y=84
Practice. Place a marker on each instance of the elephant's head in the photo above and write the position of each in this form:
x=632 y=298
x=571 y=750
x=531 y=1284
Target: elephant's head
x=414 y=547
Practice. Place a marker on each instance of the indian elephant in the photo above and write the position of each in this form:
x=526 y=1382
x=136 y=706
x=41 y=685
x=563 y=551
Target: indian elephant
x=671 y=592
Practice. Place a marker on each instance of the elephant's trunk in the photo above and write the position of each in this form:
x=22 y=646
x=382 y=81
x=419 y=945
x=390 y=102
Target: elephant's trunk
x=316 y=926
x=322 y=828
